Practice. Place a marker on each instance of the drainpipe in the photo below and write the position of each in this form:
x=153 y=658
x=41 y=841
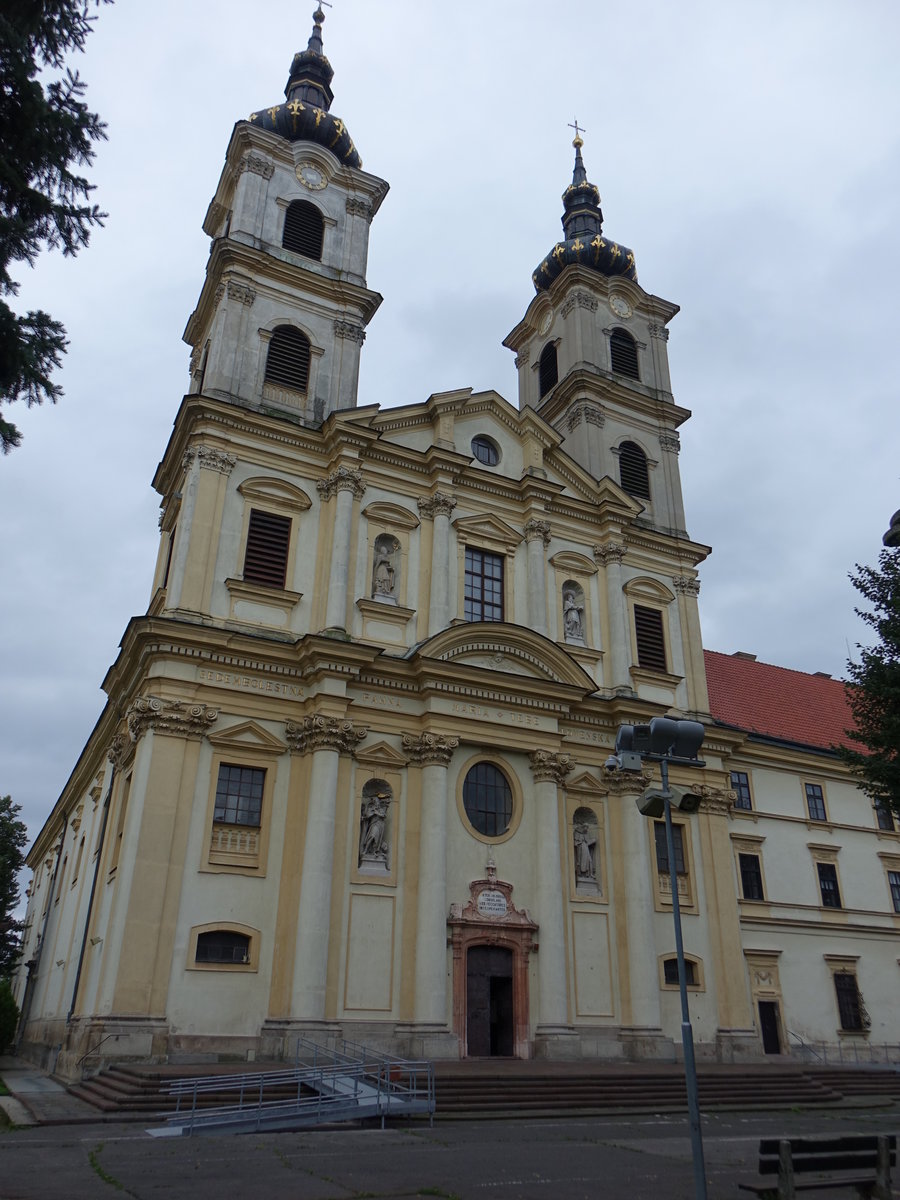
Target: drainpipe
x=87 y=919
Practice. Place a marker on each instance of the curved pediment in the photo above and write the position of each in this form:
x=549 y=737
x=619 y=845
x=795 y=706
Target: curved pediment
x=511 y=649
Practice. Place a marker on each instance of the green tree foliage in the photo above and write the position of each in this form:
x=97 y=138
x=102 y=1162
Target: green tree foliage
x=9 y=1016
x=47 y=133
x=13 y=837
x=874 y=691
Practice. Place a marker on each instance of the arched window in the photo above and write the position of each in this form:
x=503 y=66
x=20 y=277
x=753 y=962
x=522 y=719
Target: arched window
x=633 y=470
x=486 y=450
x=287 y=363
x=487 y=798
x=623 y=354
x=222 y=946
x=548 y=370
x=304 y=230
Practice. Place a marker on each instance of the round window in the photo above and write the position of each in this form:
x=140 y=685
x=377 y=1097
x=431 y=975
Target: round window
x=487 y=799
x=486 y=451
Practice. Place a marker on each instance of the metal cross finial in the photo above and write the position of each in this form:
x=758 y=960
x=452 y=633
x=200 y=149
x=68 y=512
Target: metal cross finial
x=578 y=129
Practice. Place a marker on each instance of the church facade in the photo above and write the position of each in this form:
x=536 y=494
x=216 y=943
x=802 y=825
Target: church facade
x=350 y=774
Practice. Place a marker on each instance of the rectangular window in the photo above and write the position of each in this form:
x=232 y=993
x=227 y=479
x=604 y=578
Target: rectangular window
x=670 y=972
x=239 y=793
x=651 y=643
x=740 y=785
x=751 y=877
x=662 y=851
x=894 y=881
x=484 y=586
x=885 y=816
x=815 y=801
x=120 y=824
x=828 y=885
x=268 y=541
x=850 y=1008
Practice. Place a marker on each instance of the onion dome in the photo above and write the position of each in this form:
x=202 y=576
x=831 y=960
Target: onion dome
x=584 y=242
x=305 y=115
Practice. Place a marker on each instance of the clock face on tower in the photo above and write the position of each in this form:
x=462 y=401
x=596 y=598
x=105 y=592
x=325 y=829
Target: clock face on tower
x=620 y=306
x=311 y=176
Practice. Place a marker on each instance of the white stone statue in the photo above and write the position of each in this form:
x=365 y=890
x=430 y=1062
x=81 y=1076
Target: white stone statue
x=373 y=842
x=585 y=839
x=573 y=617
x=384 y=570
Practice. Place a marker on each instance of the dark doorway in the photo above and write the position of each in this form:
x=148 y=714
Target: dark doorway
x=768 y=1024
x=489 y=1002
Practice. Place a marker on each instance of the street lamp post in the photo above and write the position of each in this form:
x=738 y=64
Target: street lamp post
x=667 y=740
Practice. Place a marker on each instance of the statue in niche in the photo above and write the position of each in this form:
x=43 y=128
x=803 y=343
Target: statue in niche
x=373 y=835
x=384 y=570
x=584 y=838
x=573 y=613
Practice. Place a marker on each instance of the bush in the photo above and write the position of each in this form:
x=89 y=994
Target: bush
x=9 y=1015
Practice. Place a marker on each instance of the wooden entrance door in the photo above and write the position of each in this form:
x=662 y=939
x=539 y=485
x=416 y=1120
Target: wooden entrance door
x=768 y=1025
x=489 y=1001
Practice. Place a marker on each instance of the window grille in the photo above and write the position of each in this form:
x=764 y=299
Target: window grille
x=751 y=877
x=268 y=541
x=304 y=229
x=487 y=799
x=651 y=643
x=633 y=473
x=239 y=792
x=222 y=946
x=483 y=598
x=850 y=1005
x=548 y=369
x=287 y=363
x=670 y=972
x=623 y=354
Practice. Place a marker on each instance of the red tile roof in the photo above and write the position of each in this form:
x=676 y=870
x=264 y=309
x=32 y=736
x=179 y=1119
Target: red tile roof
x=811 y=710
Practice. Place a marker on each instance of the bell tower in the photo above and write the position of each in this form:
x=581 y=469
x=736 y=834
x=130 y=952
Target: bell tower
x=592 y=359
x=282 y=315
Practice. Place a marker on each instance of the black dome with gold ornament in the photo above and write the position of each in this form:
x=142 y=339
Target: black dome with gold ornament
x=305 y=116
x=584 y=242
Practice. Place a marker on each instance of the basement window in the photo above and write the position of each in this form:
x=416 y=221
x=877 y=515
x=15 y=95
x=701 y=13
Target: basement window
x=222 y=946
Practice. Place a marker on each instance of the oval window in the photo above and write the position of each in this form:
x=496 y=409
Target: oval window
x=487 y=798
x=485 y=451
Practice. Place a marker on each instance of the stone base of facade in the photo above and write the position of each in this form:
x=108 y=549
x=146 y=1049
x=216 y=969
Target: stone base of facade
x=556 y=1042
x=646 y=1044
x=426 y=1041
x=90 y=1043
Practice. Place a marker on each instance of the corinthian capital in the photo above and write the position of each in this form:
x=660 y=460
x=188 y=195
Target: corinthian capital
x=687 y=587
x=628 y=783
x=537 y=529
x=215 y=460
x=545 y=765
x=175 y=717
x=441 y=504
x=715 y=800
x=342 y=479
x=324 y=733
x=256 y=165
x=429 y=748
x=612 y=552
x=670 y=442
x=242 y=292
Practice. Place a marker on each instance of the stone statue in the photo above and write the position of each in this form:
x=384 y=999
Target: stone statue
x=373 y=841
x=384 y=571
x=585 y=839
x=573 y=616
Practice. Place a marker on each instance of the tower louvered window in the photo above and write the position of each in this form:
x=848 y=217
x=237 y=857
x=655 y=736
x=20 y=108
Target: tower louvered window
x=303 y=230
x=623 y=354
x=287 y=363
x=268 y=541
x=633 y=470
x=651 y=643
x=548 y=370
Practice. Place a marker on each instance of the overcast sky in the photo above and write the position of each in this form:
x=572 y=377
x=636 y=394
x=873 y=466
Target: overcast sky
x=747 y=151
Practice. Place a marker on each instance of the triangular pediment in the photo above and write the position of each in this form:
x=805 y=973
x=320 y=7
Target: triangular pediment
x=586 y=784
x=247 y=736
x=381 y=755
x=487 y=529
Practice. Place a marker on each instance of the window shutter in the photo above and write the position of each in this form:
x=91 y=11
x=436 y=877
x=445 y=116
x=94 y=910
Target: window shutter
x=633 y=470
x=303 y=230
x=623 y=354
x=651 y=643
x=268 y=539
x=548 y=370
x=287 y=363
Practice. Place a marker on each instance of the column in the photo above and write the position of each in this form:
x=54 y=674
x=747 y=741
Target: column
x=550 y=771
x=439 y=507
x=610 y=556
x=326 y=738
x=633 y=883
x=347 y=484
x=687 y=589
x=432 y=752
x=537 y=537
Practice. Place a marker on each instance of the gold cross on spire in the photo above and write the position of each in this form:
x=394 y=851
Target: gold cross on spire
x=579 y=130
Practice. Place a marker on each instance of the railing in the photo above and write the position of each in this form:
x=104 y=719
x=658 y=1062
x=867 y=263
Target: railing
x=853 y=1053
x=344 y=1082
x=93 y=1050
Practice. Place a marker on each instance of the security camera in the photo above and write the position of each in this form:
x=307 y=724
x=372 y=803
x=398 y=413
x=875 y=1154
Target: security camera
x=612 y=763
